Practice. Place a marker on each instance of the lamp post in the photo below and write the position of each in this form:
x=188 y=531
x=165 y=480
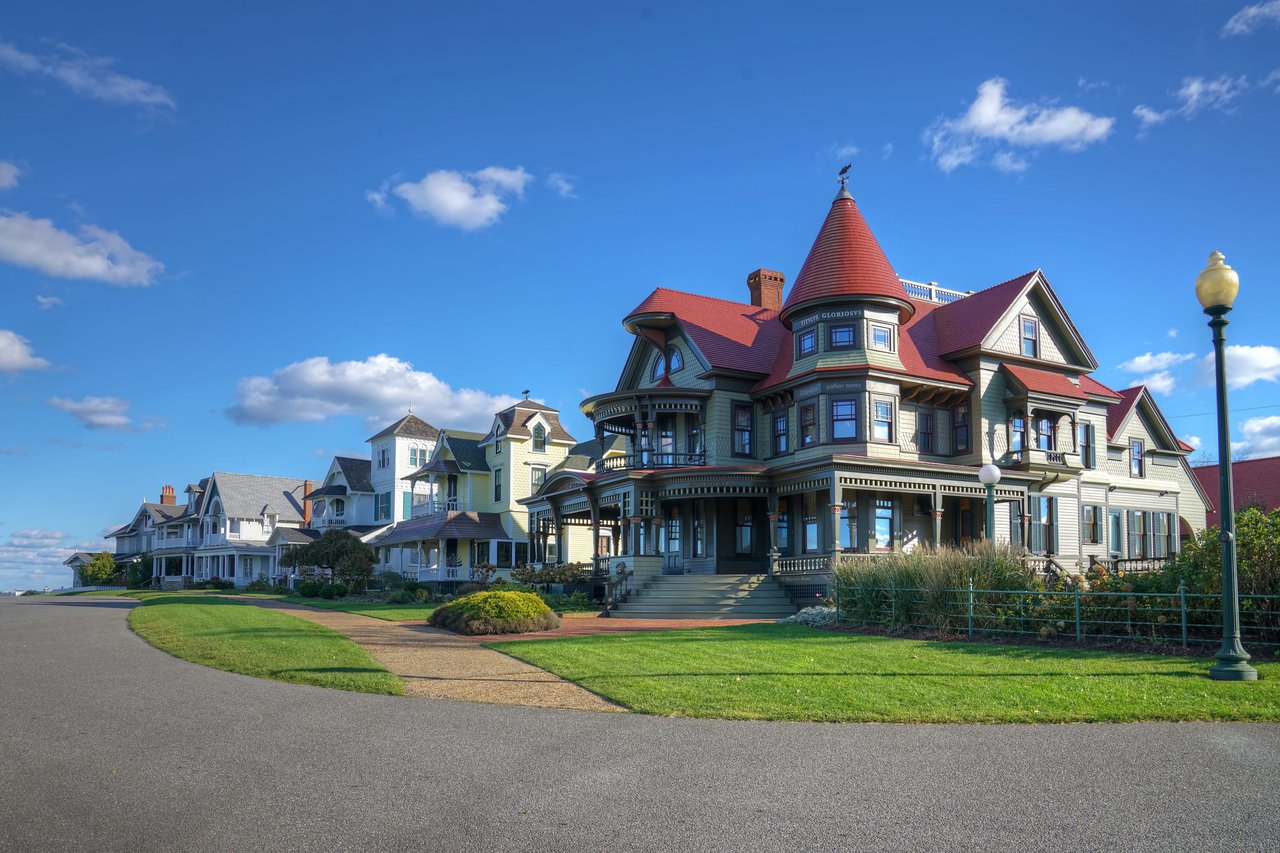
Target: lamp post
x=989 y=475
x=1216 y=288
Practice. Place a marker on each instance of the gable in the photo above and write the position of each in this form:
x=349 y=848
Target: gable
x=691 y=362
x=1007 y=338
x=1145 y=422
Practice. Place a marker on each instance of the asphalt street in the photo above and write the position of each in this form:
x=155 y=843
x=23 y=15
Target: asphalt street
x=109 y=744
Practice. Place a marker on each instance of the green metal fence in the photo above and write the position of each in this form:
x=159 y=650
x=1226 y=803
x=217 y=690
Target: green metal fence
x=1163 y=618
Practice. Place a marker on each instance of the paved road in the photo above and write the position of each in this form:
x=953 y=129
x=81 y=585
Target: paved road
x=108 y=744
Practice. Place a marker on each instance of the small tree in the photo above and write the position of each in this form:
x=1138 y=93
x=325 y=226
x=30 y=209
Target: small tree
x=342 y=555
x=100 y=570
x=139 y=574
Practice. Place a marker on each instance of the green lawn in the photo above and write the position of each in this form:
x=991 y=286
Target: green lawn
x=378 y=610
x=224 y=633
x=786 y=672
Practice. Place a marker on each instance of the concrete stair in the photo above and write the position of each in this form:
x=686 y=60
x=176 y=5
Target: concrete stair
x=707 y=597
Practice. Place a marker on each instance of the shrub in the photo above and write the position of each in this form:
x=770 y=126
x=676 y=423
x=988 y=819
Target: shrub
x=401 y=596
x=410 y=586
x=423 y=593
x=214 y=583
x=578 y=602
x=469 y=588
x=310 y=589
x=390 y=580
x=497 y=612
x=259 y=585
x=328 y=591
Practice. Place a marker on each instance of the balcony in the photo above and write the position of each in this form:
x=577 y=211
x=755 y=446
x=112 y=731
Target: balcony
x=431 y=506
x=649 y=460
x=1034 y=460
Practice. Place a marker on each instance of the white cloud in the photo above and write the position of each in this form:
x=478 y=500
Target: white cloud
x=1194 y=95
x=32 y=559
x=1245 y=365
x=9 y=173
x=993 y=120
x=1162 y=382
x=379 y=388
x=1149 y=361
x=562 y=184
x=16 y=355
x=378 y=197
x=1008 y=162
x=844 y=152
x=1195 y=441
x=1272 y=79
x=886 y=151
x=1172 y=333
x=1261 y=436
x=87 y=75
x=94 y=253
x=1252 y=17
x=109 y=413
x=469 y=201
x=47 y=302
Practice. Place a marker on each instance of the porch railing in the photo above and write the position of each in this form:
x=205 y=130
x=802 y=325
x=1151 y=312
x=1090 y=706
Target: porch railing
x=434 y=505
x=1115 y=565
x=650 y=459
x=807 y=564
x=616 y=591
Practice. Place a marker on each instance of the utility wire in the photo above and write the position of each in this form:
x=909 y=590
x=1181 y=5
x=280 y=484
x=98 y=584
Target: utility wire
x=1247 y=409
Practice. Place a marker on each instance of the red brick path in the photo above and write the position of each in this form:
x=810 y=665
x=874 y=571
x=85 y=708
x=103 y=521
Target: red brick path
x=589 y=626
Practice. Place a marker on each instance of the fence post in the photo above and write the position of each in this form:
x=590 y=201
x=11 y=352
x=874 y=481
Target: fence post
x=1079 y=626
x=1182 y=608
x=970 y=608
x=893 y=603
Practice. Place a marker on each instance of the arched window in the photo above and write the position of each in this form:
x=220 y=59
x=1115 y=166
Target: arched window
x=539 y=438
x=675 y=359
x=339 y=507
x=318 y=509
x=656 y=373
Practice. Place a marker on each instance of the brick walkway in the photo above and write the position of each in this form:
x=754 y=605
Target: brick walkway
x=589 y=626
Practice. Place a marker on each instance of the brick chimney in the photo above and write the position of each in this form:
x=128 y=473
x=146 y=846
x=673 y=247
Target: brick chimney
x=766 y=288
x=307 y=486
x=167 y=497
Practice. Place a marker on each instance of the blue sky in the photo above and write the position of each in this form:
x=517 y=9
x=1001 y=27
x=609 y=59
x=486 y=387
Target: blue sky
x=236 y=238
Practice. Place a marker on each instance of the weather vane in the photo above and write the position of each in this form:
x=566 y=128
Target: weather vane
x=844 y=174
x=526 y=393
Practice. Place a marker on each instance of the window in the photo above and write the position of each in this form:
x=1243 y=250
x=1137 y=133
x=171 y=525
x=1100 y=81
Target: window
x=673 y=531
x=693 y=433
x=1137 y=461
x=1091 y=524
x=667 y=439
x=1030 y=337
x=743 y=527
x=1045 y=434
x=849 y=526
x=699 y=530
x=537 y=476
x=382 y=457
x=1138 y=545
x=842 y=337
x=844 y=420
x=741 y=429
x=382 y=506
x=783 y=536
x=522 y=553
x=318 y=509
x=1044 y=525
x=882 y=422
x=1115 y=534
x=781 y=426
x=1017 y=432
x=883 y=524
x=417 y=457
x=1158 y=525
x=504 y=555
x=497 y=485
x=808 y=425
x=1085 y=441
x=806 y=343
x=674 y=359
x=539 y=438
x=658 y=365
x=810 y=523
x=882 y=338
x=924 y=432
x=960 y=428
x=479 y=552
x=339 y=507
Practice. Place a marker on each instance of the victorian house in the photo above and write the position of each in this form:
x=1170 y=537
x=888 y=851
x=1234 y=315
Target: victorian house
x=852 y=416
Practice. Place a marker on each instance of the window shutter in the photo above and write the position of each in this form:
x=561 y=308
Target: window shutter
x=1132 y=530
x=1037 y=528
x=1053 y=516
x=408 y=504
x=1151 y=535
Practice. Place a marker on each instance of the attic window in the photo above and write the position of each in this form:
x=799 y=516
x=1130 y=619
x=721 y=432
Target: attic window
x=675 y=360
x=539 y=439
x=1030 y=337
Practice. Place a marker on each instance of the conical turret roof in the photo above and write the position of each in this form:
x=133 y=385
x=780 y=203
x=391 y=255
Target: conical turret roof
x=846 y=262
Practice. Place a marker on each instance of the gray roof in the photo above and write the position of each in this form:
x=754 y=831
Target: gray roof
x=467 y=451
x=451 y=525
x=296 y=535
x=514 y=420
x=359 y=473
x=161 y=513
x=251 y=495
x=410 y=425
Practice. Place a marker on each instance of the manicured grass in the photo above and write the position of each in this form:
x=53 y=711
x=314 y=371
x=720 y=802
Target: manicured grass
x=224 y=633
x=786 y=672
x=378 y=610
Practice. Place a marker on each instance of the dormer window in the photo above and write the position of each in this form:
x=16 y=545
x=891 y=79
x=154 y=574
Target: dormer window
x=497 y=447
x=674 y=359
x=1030 y=337
x=539 y=438
x=673 y=362
x=806 y=343
x=1137 y=459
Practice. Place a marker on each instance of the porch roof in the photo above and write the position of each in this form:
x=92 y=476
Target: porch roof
x=450 y=525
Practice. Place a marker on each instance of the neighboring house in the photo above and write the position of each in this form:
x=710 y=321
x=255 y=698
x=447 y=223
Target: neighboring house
x=76 y=562
x=174 y=544
x=475 y=483
x=238 y=515
x=394 y=453
x=853 y=416
x=1255 y=483
x=137 y=539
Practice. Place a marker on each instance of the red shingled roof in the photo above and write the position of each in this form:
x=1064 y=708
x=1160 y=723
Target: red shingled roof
x=1045 y=382
x=1117 y=413
x=731 y=335
x=964 y=323
x=1092 y=386
x=1255 y=481
x=846 y=260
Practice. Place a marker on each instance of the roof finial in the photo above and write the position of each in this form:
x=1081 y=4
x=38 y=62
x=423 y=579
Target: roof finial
x=525 y=392
x=411 y=408
x=844 y=177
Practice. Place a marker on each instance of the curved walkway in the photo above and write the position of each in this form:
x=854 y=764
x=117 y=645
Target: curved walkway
x=109 y=744
x=444 y=665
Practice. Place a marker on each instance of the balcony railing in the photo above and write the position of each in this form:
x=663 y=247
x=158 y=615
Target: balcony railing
x=1035 y=457
x=430 y=506
x=649 y=459
x=809 y=564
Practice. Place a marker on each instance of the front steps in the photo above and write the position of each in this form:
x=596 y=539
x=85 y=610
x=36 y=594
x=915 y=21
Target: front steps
x=707 y=597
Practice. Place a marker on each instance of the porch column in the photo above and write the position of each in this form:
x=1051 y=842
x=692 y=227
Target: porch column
x=835 y=528
x=937 y=527
x=595 y=536
x=655 y=545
